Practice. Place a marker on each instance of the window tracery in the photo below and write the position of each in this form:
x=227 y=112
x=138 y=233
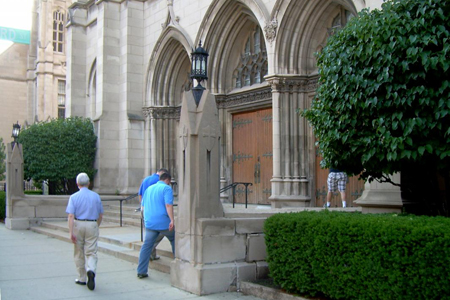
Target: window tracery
x=342 y=18
x=253 y=61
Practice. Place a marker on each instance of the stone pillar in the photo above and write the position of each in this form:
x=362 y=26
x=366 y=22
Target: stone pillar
x=381 y=197
x=291 y=173
x=209 y=255
x=14 y=186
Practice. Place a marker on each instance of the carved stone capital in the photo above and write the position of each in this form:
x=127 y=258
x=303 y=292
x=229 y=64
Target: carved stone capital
x=271 y=31
x=293 y=84
x=162 y=112
x=225 y=101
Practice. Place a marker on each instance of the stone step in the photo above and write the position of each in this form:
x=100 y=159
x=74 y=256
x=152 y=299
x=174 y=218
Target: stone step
x=121 y=242
x=126 y=208
x=129 y=208
x=116 y=214
x=125 y=221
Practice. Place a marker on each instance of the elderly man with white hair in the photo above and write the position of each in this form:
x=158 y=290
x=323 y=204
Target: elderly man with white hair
x=85 y=211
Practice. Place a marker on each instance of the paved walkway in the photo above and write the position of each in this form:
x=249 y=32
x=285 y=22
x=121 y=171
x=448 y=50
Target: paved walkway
x=35 y=266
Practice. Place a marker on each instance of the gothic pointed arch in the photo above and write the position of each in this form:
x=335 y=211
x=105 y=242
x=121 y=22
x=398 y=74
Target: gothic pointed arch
x=227 y=28
x=303 y=29
x=168 y=76
x=169 y=69
x=92 y=108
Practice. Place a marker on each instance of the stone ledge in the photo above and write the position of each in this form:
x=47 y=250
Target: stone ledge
x=265 y=292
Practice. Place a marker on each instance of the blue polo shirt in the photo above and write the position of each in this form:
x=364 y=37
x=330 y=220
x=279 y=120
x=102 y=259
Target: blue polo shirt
x=85 y=204
x=154 y=202
x=148 y=181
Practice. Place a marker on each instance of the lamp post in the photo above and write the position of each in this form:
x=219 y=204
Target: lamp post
x=199 y=70
x=15 y=133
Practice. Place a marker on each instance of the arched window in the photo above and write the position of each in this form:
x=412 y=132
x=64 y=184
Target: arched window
x=257 y=42
x=237 y=79
x=247 y=48
x=253 y=63
x=264 y=70
x=342 y=18
x=61 y=99
x=256 y=75
x=58 y=31
x=246 y=77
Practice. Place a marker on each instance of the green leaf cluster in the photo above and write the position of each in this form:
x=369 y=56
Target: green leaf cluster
x=58 y=150
x=2 y=159
x=384 y=93
x=359 y=256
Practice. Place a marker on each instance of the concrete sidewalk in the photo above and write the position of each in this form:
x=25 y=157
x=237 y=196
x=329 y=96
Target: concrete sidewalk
x=35 y=266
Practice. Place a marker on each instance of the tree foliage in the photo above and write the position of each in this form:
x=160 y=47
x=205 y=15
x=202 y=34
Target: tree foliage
x=383 y=100
x=58 y=151
x=2 y=159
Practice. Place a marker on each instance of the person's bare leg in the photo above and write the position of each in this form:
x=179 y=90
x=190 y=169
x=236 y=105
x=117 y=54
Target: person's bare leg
x=344 y=202
x=329 y=198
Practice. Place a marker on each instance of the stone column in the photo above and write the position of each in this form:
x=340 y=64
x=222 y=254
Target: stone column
x=291 y=173
x=381 y=197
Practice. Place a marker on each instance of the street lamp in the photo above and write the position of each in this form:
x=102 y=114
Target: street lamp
x=199 y=70
x=15 y=133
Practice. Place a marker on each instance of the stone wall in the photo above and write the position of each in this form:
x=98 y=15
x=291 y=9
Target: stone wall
x=31 y=210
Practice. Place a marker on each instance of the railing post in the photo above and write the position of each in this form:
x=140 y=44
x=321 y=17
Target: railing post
x=234 y=192
x=246 y=194
x=121 y=213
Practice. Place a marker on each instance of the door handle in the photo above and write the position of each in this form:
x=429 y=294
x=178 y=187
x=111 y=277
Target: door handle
x=257 y=173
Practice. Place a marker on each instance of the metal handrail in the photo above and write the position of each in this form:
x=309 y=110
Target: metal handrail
x=121 y=200
x=233 y=186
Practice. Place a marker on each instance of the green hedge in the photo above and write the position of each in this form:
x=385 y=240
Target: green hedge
x=355 y=256
x=2 y=205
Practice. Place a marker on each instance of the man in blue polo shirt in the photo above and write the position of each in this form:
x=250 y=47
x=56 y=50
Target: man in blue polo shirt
x=85 y=211
x=157 y=208
x=146 y=183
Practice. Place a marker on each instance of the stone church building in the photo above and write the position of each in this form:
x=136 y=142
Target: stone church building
x=126 y=65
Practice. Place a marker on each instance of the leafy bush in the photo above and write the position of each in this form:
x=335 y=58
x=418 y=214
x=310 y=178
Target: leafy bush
x=2 y=159
x=58 y=151
x=2 y=205
x=383 y=101
x=355 y=256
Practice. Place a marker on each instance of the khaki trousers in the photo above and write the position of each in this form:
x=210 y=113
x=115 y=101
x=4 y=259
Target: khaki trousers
x=85 y=250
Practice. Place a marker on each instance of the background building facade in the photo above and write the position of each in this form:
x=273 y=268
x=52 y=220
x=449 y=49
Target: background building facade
x=47 y=61
x=33 y=76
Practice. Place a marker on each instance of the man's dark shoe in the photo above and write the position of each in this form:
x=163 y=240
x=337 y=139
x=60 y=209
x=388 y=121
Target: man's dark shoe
x=80 y=282
x=140 y=276
x=91 y=280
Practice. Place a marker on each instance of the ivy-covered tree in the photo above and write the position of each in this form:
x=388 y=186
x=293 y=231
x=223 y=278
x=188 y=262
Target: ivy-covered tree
x=383 y=104
x=57 y=151
x=2 y=159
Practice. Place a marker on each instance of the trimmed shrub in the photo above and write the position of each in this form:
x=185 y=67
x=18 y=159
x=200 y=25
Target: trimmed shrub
x=57 y=151
x=355 y=256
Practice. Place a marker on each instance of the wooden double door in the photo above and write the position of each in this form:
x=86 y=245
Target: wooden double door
x=253 y=155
